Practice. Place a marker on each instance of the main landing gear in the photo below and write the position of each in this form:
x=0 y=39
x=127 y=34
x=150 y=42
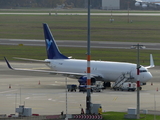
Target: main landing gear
x=106 y=84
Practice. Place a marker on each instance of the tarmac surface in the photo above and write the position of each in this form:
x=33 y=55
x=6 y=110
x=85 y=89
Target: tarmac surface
x=46 y=94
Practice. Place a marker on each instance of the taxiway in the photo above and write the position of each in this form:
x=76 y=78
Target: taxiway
x=45 y=93
x=81 y=44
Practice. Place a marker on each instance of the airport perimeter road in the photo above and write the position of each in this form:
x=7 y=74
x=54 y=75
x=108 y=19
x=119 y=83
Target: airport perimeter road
x=106 y=14
x=45 y=93
x=73 y=43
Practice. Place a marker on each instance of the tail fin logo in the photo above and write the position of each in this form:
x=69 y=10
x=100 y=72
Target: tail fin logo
x=49 y=43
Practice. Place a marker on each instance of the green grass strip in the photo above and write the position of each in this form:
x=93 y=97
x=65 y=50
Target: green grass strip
x=120 y=116
x=119 y=55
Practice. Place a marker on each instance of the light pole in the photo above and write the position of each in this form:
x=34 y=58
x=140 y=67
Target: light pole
x=66 y=118
x=138 y=46
x=128 y=11
x=88 y=97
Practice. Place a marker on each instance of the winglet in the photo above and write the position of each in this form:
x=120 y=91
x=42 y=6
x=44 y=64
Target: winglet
x=151 y=62
x=9 y=66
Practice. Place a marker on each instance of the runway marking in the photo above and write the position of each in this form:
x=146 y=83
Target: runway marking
x=59 y=82
x=8 y=91
x=38 y=94
x=27 y=98
x=115 y=98
x=54 y=84
x=39 y=97
x=72 y=101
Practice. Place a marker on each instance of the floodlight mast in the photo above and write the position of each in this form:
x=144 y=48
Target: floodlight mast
x=88 y=97
x=138 y=46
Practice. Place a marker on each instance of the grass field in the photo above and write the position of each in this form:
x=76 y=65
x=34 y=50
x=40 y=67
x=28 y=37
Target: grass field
x=142 y=29
x=121 y=55
x=120 y=116
x=74 y=10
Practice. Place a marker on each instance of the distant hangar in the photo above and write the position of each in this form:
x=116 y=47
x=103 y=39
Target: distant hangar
x=111 y=4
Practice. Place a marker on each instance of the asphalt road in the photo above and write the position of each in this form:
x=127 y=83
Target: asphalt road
x=105 y=14
x=75 y=43
x=49 y=97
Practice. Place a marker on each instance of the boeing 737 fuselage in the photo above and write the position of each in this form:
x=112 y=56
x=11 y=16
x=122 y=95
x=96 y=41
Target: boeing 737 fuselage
x=105 y=71
x=100 y=70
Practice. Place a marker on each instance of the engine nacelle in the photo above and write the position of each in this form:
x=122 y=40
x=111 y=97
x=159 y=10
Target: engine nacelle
x=144 y=5
x=83 y=80
x=137 y=4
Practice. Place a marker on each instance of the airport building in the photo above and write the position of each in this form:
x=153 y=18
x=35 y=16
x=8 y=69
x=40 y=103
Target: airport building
x=105 y=4
x=111 y=4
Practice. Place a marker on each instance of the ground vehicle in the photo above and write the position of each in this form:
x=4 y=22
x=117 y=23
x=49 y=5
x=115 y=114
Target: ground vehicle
x=128 y=86
x=72 y=87
x=96 y=86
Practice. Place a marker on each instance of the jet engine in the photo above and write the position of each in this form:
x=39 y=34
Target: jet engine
x=83 y=80
x=137 y=4
x=144 y=5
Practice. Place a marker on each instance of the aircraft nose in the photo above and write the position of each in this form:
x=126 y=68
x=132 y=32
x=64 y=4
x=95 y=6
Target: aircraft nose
x=148 y=76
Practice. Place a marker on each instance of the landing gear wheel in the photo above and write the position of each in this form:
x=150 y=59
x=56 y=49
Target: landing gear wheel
x=140 y=88
x=106 y=84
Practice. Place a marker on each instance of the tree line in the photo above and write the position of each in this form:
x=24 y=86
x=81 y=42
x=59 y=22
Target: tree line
x=38 y=3
x=53 y=3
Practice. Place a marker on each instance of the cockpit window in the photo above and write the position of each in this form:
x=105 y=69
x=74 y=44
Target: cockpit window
x=142 y=71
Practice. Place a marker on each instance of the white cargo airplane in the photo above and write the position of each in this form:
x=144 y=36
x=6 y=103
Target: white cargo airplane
x=105 y=71
x=147 y=3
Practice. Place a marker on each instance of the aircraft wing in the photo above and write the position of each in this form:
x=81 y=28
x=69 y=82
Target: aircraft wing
x=139 y=1
x=33 y=60
x=144 y=1
x=55 y=72
x=158 y=4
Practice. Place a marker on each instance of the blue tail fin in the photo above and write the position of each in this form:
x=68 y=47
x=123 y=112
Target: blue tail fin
x=51 y=47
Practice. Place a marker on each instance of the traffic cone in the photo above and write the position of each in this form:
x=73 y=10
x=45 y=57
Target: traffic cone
x=39 y=83
x=157 y=89
x=9 y=86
